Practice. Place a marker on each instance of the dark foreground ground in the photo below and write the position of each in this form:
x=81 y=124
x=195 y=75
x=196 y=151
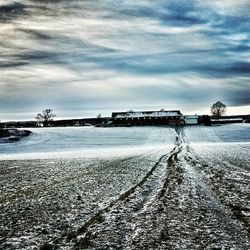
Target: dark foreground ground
x=188 y=197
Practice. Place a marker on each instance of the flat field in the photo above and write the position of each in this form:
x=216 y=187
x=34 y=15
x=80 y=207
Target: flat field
x=127 y=188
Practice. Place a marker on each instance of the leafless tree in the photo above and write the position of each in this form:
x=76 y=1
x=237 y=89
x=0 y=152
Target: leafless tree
x=218 y=109
x=45 y=117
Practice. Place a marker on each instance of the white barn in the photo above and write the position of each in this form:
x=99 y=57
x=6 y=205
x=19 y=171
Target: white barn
x=191 y=119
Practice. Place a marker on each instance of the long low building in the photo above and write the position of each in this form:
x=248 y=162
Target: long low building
x=143 y=118
x=191 y=119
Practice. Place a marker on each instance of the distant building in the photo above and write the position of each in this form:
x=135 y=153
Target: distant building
x=228 y=120
x=191 y=119
x=143 y=118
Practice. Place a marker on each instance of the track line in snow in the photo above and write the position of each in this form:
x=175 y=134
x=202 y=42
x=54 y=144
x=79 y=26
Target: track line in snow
x=99 y=216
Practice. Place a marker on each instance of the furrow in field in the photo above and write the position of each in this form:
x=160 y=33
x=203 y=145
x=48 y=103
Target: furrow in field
x=125 y=205
x=119 y=223
x=182 y=212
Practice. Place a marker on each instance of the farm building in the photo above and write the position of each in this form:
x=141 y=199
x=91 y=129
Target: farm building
x=228 y=120
x=191 y=119
x=143 y=118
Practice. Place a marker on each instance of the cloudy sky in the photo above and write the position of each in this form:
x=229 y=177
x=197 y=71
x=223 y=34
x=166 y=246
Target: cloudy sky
x=82 y=58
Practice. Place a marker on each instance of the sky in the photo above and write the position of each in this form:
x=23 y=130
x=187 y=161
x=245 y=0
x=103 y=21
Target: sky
x=82 y=58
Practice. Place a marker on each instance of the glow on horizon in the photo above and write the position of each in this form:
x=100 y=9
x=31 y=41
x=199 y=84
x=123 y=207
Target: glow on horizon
x=244 y=110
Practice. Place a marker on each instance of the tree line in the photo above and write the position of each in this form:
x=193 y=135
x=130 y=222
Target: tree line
x=47 y=116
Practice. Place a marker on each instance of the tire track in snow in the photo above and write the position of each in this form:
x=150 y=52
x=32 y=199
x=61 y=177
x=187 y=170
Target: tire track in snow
x=172 y=207
x=181 y=213
x=226 y=181
x=82 y=233
x=121 y=198
x=203 y=221
x=117 y=225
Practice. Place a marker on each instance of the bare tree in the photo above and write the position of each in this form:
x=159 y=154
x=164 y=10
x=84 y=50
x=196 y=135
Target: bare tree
x=218 y=109
x=45 y=117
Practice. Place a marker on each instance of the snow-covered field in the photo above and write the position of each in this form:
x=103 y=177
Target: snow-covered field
x=127 y=188
x=77 y=142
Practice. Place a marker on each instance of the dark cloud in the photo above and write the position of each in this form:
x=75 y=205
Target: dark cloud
x=225 y=70
x=39 y=57
x=242 y=68
x=189 y=61
x=181 y=13
x=174 y=13
x=241 y=48
x=36 y=34
x=181 y=20
x=12 y=11
x=239 y=98
x=10 y=64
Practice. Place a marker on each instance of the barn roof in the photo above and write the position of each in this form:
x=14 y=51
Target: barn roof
x=138 y=114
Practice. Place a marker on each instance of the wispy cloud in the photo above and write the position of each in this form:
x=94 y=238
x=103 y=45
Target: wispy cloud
x=113 y=54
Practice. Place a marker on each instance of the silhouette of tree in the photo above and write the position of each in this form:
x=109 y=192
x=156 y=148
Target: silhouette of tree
x=45 y=117
x=218 y=109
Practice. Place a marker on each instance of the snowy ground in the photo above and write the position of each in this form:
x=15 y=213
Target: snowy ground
x=130 y=188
